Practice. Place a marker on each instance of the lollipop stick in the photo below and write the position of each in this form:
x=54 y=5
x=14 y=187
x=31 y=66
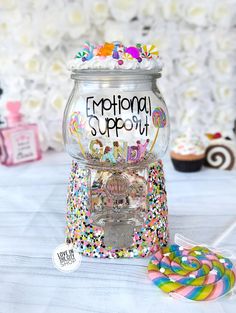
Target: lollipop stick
x=80 y=145
x=155 y=139
x=224 y=235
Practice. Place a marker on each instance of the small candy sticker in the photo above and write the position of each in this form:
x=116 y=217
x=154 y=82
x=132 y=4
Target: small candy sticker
x=159 y=117
x=66 y=259
x=159 y=121
x=76 y=126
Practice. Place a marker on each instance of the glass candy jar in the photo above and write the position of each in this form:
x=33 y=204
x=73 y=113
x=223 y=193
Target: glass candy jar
x=116 y=128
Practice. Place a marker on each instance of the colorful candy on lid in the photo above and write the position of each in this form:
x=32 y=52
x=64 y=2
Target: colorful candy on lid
x=115 y=55
x=133 y=51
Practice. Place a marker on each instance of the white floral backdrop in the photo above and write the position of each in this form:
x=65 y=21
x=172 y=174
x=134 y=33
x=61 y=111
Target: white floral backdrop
x=196 y=39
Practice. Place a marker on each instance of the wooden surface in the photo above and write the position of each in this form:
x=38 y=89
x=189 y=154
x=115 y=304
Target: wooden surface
x=32 y=219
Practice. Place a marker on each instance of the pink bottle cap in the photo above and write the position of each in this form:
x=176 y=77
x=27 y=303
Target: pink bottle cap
x=14 y=116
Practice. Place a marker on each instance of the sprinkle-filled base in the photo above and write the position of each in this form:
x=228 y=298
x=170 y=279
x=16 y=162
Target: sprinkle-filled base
x=90 y=238
x=196 y=274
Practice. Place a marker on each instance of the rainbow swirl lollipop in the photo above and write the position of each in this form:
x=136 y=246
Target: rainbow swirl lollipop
x=76 y=126
x=159 y=121
x=196 y=273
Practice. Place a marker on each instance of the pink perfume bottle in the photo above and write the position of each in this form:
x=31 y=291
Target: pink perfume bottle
x=19 y=142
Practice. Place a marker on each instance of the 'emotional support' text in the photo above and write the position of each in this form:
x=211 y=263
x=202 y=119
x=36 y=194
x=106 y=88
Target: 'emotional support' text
x=107 y=116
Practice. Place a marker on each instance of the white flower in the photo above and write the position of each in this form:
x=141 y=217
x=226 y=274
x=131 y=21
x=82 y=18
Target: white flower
x=222 y=66
x=123 y=10
x=194 y=117
x=196 y=12
x=113 y=30
x=147 y=9
x=16 y=82
x=43 y=134
x=223 y=41
x=167 y=70
x=190 y=66
x=49 y=27
x=33 y=103
x=7 y=4
x=192 y=91
x=34 y=5
x=224 y=92
x=13 y=87
x=99 y=11
x=194 y=105
x=223 y=13
x=32 y=64
x=188 y=119
x=55 y=135
x=9 y=20
x=164 y=85
x=128 y=33
x=8 y=62
x=55 y=67
x=56 y=102
x=76 y=19
x=24 y=35
x=4 y=28
x=191 y=40
x=170 y=9
x=224 y=117
x=166 y=39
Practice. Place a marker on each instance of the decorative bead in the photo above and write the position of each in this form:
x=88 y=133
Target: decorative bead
x=115 y=55
x=133 y=51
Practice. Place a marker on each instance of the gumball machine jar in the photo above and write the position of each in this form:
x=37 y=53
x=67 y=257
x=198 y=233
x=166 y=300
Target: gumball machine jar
x=116 y=129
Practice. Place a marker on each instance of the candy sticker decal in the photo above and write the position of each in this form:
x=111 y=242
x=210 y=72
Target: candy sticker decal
x=76 y=127
x=159 y=121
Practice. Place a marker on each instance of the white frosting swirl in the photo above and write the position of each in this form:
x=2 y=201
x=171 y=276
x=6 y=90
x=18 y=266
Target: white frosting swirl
x=188 y=144
x=110 y=63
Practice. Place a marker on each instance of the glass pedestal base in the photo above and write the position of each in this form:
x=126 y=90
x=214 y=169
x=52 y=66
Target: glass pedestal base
x=112 y=215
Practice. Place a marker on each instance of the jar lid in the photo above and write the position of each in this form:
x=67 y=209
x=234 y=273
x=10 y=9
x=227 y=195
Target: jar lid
x=116 y=56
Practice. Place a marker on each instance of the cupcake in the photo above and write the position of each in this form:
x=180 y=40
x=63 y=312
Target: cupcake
x=187 y=153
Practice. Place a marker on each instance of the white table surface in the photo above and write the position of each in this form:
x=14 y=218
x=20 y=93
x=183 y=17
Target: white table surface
x=32 y=222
